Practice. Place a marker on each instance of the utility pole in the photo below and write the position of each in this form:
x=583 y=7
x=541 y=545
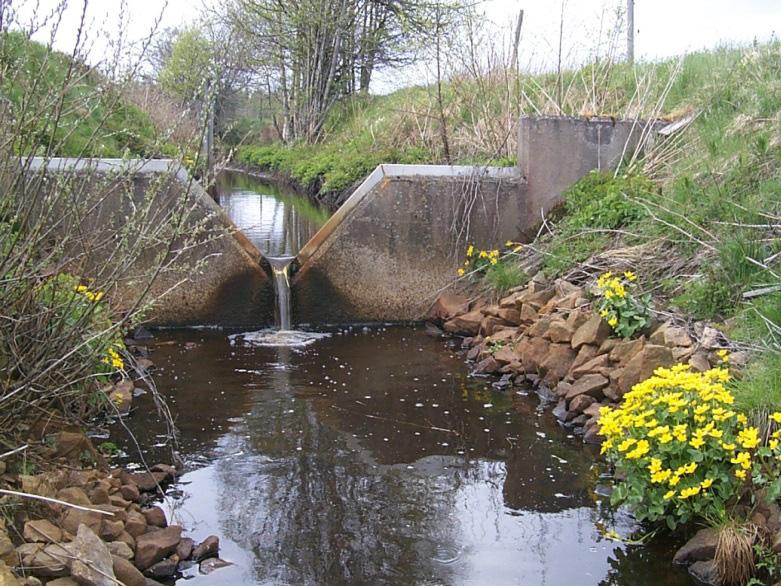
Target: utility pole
x=630 y=31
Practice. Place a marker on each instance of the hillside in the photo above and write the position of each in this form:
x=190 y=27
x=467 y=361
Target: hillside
x=63 y=108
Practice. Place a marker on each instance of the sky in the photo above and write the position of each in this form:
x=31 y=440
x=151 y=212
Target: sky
x=664 y=28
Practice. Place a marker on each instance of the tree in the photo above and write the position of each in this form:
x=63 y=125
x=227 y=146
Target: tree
x=188 y=67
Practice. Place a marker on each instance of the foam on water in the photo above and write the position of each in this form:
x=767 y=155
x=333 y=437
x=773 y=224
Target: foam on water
x=278 y=338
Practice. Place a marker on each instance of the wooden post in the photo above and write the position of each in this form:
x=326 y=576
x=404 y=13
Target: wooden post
x=630 y=31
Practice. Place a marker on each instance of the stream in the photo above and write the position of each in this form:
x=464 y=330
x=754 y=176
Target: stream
x=372 y=457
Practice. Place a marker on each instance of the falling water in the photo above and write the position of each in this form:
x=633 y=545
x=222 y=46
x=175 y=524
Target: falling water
x=280 y=267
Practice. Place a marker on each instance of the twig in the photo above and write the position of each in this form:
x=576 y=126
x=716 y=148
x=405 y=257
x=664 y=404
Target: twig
x=53 y=500
x=16 y=451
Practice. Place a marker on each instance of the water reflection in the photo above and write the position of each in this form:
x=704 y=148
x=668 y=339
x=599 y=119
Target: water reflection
x=371 y=458
x=278 y=221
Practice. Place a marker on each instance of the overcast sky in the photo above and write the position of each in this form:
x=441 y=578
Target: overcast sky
x=663 y=27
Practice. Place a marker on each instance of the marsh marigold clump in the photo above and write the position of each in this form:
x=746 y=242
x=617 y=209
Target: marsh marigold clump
x=681 y=447
x=625 y=312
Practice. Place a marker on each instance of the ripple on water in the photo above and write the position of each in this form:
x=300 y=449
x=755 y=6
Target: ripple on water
x=277 y=338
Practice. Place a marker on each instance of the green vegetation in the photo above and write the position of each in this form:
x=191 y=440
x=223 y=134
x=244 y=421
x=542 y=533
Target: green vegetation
x=617 y=302
x=62 y=108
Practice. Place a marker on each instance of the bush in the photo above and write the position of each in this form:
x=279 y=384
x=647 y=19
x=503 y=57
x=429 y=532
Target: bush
x=681 y=449
x=601 y=200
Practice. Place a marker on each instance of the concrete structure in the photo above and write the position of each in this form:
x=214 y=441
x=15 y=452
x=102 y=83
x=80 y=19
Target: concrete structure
x=383 y=256
x=554 y=152
x=213 y=275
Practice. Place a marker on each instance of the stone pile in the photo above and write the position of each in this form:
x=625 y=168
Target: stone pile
x=117 y=533
x=549 y=337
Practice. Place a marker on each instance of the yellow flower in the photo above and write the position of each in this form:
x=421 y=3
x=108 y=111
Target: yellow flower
x=661 y=476
x=728 y=447
x=776 y=416
x=724 y=355
x=742 y=419
x=470 y=250
x=608 y=294
x=674 y=480
x=749 y=438
x=509 y=243
x=707 y=483
x=691 y=491
x=669 y=494
x=604 y=313
x=743 y=459
x=640 y=450
x=630 y=276
x=612 y=322
x=461 y=272
x=483 y=254
x=772 y=444
x=740 y=474
x=696 y=442
x=493 y=261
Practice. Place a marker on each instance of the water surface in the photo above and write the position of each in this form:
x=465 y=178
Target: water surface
x=371 y=457
x=278 y=221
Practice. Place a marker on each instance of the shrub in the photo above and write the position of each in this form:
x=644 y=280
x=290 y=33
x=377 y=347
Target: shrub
x=601 y=200
x=626 y=313
x=682 y=450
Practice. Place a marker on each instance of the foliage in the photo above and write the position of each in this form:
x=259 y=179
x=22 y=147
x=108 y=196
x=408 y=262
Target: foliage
x=505 y=275
x=682 y=450
x=188 y=67
x=602 y=200
x=768 y=566
x=625 y=312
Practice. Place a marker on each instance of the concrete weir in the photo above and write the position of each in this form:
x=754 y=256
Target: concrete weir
x=383 y=256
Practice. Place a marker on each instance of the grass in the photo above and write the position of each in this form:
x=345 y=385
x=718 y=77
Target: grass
x=95 y=120
x=503 y=276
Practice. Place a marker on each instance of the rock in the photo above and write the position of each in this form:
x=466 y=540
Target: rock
x=681 y=354
x=643 y=364
x=74 y=517
x=446 y=307
x=711 y=338
x=7 y=577
x=559 y=331
x=130 y=492
x=7 y=549
x=580 y=403
x=121 y=394
x=592 y=410
x=777 y=542
x=208 y=566
x=594 y=365
x=594 y=332
x=117 y=501
x=120 y=549
x=510 y=302
x=57 y=582
x=591 y=384
x=560 y=410
x=127 y=573
x=528 y=314
x=700 y=547
x=51 y=561
x=625 y=350
x=705 y=572
x=585 y=354
x=563 y=388
x=669 y=335
x=42 y=530
x=532 y=352
x=506 y=334
x=110 y=530
x=99 y=496
x=505 y=354
x=467 y=324
x=136 y=523
x=163 y=569
x=607 y=346
x=738 y=359
x=153 y=547
x=475 y=352
x=511 y=316
x=148 y=481
x=93 y=565
x=557 y=363
x=185 y=548
x=72 y=446
x=127 y=539
x=209 y=547
x=539 y=328
x=155 y=516
x=490 y=324
x=75 y=496
x=486 y=366
x=592 y=436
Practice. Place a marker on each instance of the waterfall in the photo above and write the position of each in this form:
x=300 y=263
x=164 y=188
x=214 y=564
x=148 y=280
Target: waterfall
x=280 y=267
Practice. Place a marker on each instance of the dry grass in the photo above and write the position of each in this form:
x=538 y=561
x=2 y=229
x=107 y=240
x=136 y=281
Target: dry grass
x=735 y=553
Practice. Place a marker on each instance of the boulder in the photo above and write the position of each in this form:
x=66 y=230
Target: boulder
x=155 y=516
x=73 y=518
x=595 y=365
x=42 y=530
x=594 y=331
x=446 y=307
x=539 y=328
x=528 y=314
x=643 y=364
x=50 y=561
x=208 y=566
x=563 y=388
x=557 y=363
x=75 y=496
x=538 y=297
x=487 y=366
x=559 y=331
x=585 y=354
x=121 y=395
x=185 y=548
x=127 y=573
x=153 y=547
x=208 y=548
x=506 y=334
x=511 y=301
x=67 y=581
x=130 y=492
x=71 y=445
x=120 y=549
x=506 y=354
x=7 y=549
x=110 y=530
x=467 y=324
x=578 y=317
x=148 y=481
x=532 y=352
x=99 y=496
x=625 y=350
x=165 y=568
x=490 y=324
x=700 y=547
x=93 y=564
x=711 y=338
x=136 y=523
x=669 y=335
x=705 y=572
x=7 y=577
x=591 y=384
x=580 y=403
x=592 y=410
x=509 y=315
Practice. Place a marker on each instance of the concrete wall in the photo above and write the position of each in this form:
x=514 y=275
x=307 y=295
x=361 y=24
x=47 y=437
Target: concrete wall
x=554 y=152
x=400 y=238
x=228 y=288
